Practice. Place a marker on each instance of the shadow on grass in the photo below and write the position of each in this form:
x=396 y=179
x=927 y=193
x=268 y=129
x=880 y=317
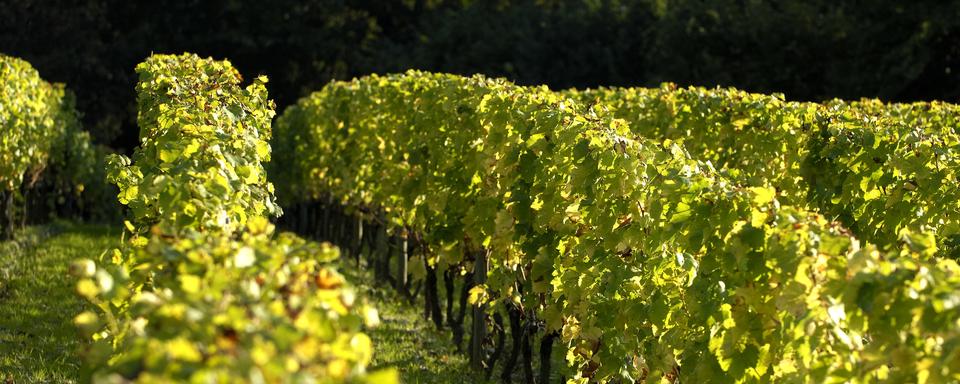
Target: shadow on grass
x=406 y=341
x=38 y=342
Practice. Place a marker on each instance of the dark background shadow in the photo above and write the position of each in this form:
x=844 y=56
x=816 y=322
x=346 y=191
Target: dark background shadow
x=808 y=50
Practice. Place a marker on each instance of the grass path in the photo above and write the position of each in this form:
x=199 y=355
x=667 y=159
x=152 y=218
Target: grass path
x=411 y=344
x=38 y=341
x=408 y=343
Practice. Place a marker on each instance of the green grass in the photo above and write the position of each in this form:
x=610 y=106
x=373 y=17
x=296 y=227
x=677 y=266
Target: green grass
x=412 y=345
x=407 y=342
x=38 y=342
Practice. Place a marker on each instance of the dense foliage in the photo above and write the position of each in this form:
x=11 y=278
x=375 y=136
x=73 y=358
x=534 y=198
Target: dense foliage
x=34 y=117
x=214 y=308
x=663 y=234
x=651 y=265
x=43 y=150
x=878 y=168
x=205 y=291
x=202 y=142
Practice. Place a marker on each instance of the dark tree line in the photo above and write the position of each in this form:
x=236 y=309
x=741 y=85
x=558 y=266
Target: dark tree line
x=809 y=50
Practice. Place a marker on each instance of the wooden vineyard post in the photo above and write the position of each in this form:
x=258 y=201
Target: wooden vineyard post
x=383 y=252
x=301 y=226
x=324 y=227
x=358 y=239
x=23 y=212
x=6 y=221
x=312 y=220
x=402 y=270
x=478 y=331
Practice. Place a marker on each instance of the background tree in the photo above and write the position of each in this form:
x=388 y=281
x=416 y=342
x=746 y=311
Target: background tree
x=809 y=50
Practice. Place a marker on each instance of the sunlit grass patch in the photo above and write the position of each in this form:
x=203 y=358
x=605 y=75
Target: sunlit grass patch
x=38 y=341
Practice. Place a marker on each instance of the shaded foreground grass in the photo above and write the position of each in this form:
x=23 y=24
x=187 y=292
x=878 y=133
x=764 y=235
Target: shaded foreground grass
x=406 y=341
x=411 y=344
x=38 y=342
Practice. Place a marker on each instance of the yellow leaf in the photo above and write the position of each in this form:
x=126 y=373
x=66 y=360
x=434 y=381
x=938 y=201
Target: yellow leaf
x=763 y=195
x=478 y=294
x=383 y=376
x=371 y=318
x=245 y=257
x=183 y=350
x=757 y=218
x=87 y=288
x=362 y=346
x=87 y=322
x=190 y=283
x=191 y=148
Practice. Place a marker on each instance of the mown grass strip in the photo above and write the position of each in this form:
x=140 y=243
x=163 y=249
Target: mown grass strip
x=38 y=341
